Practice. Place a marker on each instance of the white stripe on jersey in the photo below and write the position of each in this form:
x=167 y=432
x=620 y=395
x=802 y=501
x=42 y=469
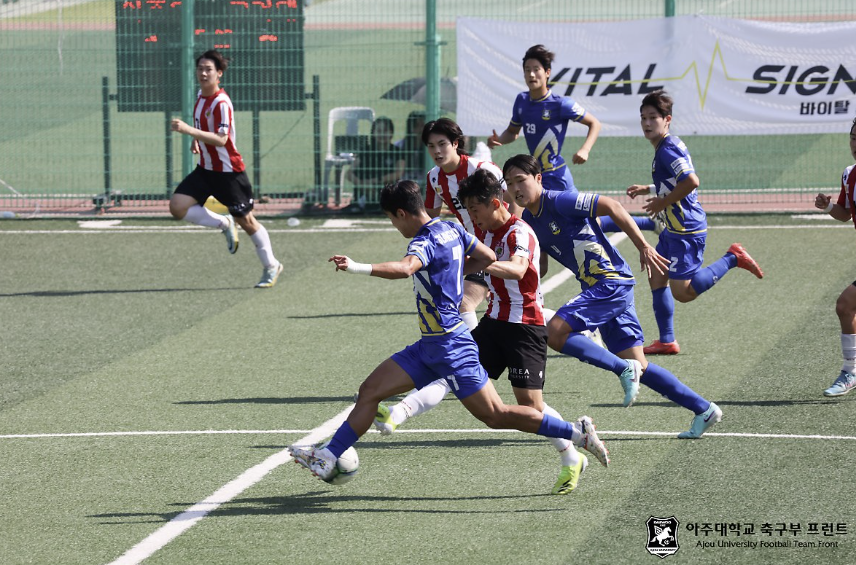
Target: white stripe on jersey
x=443 y=187
x=520 y=302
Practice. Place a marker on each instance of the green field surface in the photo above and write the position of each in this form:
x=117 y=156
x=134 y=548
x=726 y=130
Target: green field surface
x=142 y=373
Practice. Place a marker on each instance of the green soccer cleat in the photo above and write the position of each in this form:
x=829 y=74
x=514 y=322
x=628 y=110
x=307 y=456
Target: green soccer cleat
x=570 y=476
x=629 y=378
x=702 y=422
x=269 y=276
x=842 y=385
x=231 y=233
x=383 y=420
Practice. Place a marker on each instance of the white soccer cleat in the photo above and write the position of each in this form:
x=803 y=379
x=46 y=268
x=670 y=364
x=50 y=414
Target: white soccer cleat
x=269 y=276
x=590 y=442
x=629 y=378
x=702 y=422
x=842 y=385
x=319 y=461
x=231 y=233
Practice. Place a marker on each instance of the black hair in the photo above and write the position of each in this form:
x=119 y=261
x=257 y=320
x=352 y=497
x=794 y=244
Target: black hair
x=525 y=162
x=540 y=54
x=481 y=185
x=221 y=63
x=447 y=128
x=660 y=101
x=402 y=194
x=385 y=121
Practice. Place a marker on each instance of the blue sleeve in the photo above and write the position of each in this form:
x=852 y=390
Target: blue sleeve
x=517 y=111
x=571 y=110
x=675 y=158
x=576 y=205
x=421 y=247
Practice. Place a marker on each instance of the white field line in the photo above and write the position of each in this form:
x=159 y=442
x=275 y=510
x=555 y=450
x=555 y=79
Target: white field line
x=314 y=434
x=227 y=492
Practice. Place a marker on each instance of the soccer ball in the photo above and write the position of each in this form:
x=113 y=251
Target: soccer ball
x=346 y=467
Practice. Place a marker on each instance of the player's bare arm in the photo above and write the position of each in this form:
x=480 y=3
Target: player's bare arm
x=635 y=190
x=657 y=204
x=479 y=258
x=648 y=257
x=390 y=270
x=209 y=138
x=582 y=154
x=822 y=201
x=514 y=269
x=508 y=135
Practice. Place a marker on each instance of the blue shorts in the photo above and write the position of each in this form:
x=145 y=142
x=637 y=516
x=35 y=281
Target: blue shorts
x=454 y=358
x=685 y=253
x=559 y=179
x=609 y=307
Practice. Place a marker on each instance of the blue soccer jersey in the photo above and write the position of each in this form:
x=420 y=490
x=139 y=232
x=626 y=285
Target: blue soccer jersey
x=438 y=285
x=568 y=231
x=545 y=123
x=672 y=164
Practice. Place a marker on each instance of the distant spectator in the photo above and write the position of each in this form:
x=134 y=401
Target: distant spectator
x=379 y=163
x=412 y=147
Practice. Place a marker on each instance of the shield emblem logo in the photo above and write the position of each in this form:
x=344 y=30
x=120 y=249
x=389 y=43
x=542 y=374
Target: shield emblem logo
x=662 y=539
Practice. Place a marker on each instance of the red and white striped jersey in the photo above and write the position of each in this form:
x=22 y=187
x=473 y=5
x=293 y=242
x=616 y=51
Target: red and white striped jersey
x=520 y=301
x=845 y=198
x=215 y=114
x=443 y=187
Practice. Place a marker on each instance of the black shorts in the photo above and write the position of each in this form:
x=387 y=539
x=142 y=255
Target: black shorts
x=477 y=278
x=520 y=348
x=233 y=190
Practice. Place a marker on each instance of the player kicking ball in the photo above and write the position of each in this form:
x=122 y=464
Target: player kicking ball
x=438 y=256
x=512 y=334
x=565 y=225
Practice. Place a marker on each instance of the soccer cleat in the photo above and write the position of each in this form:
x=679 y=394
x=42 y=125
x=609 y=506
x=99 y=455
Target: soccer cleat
x=569 y=476
x=629 y=378
x=659 y=223
x=318 y=460
x=842 y=385
x=269 y=276
x=231 y=233
x=660 y=348
x=702 y=422
x=590 y=442
x=383 y=420
x=745 y=261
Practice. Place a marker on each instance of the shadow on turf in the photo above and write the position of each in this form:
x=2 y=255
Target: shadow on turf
x=272 y=400
x=350 y=315
x=500 y=442
x=759 y=403
x=60 y=293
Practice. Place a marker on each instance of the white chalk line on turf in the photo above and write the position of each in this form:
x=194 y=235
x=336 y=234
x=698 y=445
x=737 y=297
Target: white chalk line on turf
x=227 y=492
x=313 y=433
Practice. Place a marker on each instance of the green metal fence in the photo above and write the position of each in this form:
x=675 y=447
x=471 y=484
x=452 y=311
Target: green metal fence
x=87 y=89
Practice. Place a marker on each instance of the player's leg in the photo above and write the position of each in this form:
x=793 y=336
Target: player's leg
x=184 y=204
x=588 y=310
x=703 y=279
x=845 y=308
x=663 y=301
x=475 y=292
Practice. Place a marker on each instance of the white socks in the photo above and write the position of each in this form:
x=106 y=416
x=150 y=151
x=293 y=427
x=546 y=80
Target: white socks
x=420 y=401
x=202 y=216
x=570 y=455
x=261 y=239
x=470 y=319
x=848 y=351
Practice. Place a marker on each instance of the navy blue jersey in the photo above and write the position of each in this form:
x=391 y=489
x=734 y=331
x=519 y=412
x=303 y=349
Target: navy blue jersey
x=672 y=163
x=568 y=231
x=442 y=248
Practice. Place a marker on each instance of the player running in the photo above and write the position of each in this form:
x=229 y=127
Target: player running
x=512 y=334
x=565 y=225
x=221 y=171
x=437 y=257
x=845 y=306
x=683 y=239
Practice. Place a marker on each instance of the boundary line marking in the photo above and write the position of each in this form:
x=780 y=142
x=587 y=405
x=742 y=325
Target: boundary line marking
x=227 y=492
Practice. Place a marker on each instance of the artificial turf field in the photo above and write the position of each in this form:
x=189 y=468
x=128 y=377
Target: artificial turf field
x=143 y=375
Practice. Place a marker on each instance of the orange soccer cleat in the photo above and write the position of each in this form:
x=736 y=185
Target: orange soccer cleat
x=745 y=261
x=660 y=348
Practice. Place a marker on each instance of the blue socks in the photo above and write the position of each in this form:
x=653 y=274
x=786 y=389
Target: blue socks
x=344 y=438
x=587 y=351
x=662 y=381
x=664 y=312
x=642 y=222
x=710 y=275
x=554 y=427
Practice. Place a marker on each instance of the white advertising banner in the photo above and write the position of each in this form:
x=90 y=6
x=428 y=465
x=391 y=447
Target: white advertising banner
x=726 y=76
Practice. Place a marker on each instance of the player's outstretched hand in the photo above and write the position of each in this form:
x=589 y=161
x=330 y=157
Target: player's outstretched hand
x=635 y=190
x=821 y=201
x=650 y=259
x=178 y=125
x=493 y=140
x=654 y=206
x=341 y=262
